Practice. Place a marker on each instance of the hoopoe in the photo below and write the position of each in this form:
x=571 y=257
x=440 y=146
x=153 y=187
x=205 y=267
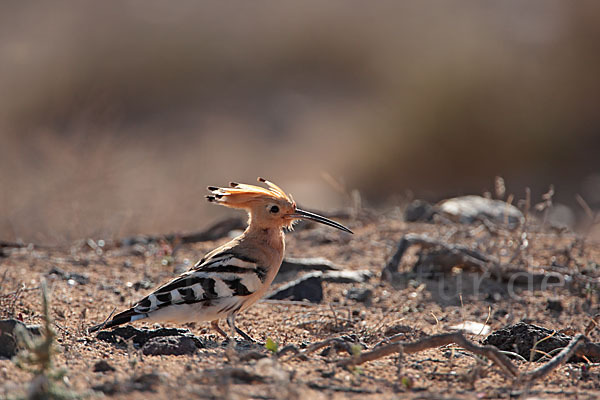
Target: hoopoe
x=231 y=278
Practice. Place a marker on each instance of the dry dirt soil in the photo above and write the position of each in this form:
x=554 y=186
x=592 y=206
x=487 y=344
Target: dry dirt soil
x=89 y=282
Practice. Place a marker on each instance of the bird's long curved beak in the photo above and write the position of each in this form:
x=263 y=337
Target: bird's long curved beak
x=301 y=214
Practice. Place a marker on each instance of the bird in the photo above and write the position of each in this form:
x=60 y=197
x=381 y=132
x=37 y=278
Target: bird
x=234 y=276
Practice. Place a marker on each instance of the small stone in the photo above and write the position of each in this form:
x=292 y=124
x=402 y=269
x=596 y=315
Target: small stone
x=468 y=209
x=308 y=287
x=122 y=334
x=360 y=295
x=419 y=211
x=169 y=345
x=103 y=366
x=143 y=284
x=554 y=305
x=8 y=336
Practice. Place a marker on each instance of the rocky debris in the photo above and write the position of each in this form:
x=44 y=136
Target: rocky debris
x=343 y=343
x=144 y=284
x=469 y=209
x=360 y=295
x=8 y=336
x=71 y=277
x=142 y=383
x=290 y=267
x=441 y=255
x=465 y=210
x=103 y=366
x=359 y=276
x=419 y=211
x=310 y=286
x=141 y=337
x=554 y=305
x=169 y=345
x=522 y=337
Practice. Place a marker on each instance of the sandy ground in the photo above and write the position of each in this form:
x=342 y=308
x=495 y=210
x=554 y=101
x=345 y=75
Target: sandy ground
x=413 y=306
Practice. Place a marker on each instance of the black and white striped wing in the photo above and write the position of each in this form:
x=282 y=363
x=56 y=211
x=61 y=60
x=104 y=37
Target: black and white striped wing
x=216 y=287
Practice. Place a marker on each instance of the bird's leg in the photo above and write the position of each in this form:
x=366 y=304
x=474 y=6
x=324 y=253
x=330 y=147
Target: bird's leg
x=215 y=325
x=234 y=329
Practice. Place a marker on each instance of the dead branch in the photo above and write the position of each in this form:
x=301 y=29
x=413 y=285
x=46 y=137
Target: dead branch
x=455 y=255
x=443 y=339
x=580 y=346
x=340 y=341
x=593 y=324
x=451 y=255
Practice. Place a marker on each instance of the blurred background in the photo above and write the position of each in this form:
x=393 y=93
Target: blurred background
x=115 y=117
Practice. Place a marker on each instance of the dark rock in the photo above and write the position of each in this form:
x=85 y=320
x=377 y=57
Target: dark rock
x=103 y=366
x=522 y=337
x=290 y=267
x=419 y=211
x=82 y=279
x=244 y=376
x=308 y=287
x=169 y=345
x=255 y=355
x=122 y=334
x=500 y=314
x=8 y=337
x=360 y=295
x=304 y=264
x=143 y=284
x=142 y=383
x=396 y=329
x=554 y=305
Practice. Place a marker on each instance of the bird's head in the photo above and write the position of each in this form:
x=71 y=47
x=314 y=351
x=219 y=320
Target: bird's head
x=268 y=207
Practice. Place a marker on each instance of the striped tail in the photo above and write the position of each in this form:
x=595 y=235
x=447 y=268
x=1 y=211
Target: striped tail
x=119 y=319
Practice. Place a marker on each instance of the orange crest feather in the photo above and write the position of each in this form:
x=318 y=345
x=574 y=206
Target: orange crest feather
x=241 y=195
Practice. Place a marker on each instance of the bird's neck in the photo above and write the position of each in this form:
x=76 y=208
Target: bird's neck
x=271 y=237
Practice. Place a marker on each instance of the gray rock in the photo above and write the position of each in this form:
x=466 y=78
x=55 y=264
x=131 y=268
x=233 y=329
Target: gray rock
x=359 y=294
x=308 y=287
x=122 y=334
x=169 y=345
x=103 y=366
x=8 y=338
x=82 y=279
x=348 y=276
x=468 y=209
x=554 y=305
x=419 y=211
x=290 y=267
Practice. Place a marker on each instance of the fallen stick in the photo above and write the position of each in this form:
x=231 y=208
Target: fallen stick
x=459 y=254
x=340 y=341
x=580 y=345
x=443 y=339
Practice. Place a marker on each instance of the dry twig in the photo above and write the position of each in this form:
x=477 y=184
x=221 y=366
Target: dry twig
x=580 y=346
x=443 y=339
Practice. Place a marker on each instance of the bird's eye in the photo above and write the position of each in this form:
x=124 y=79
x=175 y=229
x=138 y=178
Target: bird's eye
x=274 y=209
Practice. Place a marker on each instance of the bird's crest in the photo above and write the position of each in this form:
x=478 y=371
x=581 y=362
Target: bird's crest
x=241 y=195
